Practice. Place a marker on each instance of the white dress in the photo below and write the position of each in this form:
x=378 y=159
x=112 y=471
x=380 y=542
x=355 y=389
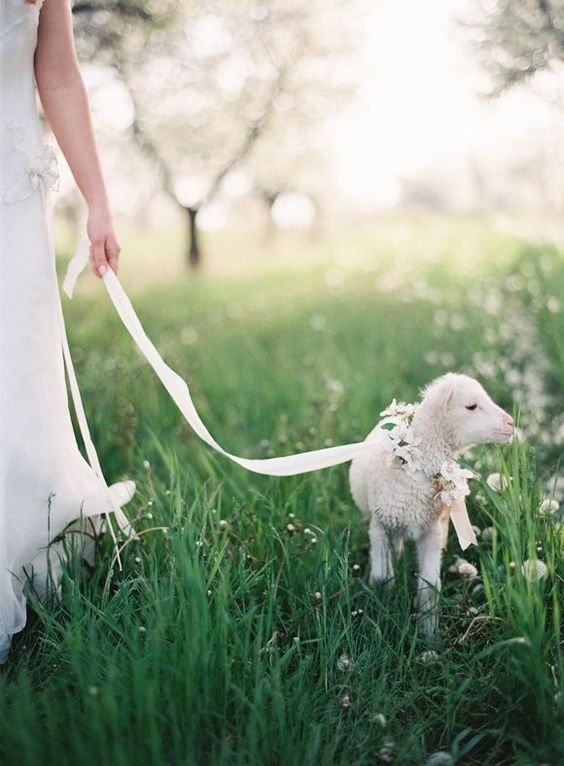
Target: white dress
x=45 y=483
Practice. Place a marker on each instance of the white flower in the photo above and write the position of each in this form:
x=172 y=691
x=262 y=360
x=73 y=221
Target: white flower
x=410 y=454
x=344 y=664
x=549 y=505
x=398 y=410
x=451 y=471
x=428 y=656
x=453 y=482
x=463 y=568
x=401 y=432
x=534 y=570
x=380 y=720
x=466 y=569
x=440 y=758
x=494 y=481
x=487 y=534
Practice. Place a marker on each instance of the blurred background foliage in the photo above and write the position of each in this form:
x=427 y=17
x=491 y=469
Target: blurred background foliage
x=227 y=116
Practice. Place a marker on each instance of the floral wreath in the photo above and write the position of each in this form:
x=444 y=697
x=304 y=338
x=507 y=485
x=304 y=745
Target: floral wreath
x=397 y=421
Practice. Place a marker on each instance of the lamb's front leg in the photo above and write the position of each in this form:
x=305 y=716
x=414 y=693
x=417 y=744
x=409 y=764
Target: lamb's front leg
x=380 y=554
x=429 y=551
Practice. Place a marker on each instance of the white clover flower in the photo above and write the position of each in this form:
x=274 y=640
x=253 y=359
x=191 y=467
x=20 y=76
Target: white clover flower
x=429 y=656
x=487 y=534
x=344 y=664
x=466 y=569
x=534 y=570
x=387 y=753
x=494 y=482
x=549 y=505
x=380 y=720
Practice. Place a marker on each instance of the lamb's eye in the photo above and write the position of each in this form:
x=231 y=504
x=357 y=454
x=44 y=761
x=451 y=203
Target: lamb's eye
x=472 y=407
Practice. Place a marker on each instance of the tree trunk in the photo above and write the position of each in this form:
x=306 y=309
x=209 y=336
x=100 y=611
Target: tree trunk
x=194 y=249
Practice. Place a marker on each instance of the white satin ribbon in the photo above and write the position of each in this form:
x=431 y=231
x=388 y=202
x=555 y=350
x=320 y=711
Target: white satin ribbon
x=289 y=465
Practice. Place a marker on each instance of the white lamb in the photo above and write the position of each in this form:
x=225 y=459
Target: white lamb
x=397 y=487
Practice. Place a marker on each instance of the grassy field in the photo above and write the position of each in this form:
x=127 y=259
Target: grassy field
x=245 y=632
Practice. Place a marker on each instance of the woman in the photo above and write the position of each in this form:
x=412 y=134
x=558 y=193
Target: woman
x=45 y=483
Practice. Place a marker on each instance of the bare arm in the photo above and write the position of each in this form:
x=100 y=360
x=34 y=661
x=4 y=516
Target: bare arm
x=65 y=102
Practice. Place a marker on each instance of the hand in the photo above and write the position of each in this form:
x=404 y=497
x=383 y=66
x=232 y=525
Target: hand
x=104 y=247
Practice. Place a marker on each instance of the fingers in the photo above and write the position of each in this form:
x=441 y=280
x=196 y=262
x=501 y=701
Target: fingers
x=104 y=253
x=98 y=257
x=112 y=253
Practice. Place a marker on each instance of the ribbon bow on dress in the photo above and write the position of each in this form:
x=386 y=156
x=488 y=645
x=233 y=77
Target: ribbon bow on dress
x=39 y=166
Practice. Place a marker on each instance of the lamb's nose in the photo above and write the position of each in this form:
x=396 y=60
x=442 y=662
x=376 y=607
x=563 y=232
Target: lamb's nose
x=509 y=420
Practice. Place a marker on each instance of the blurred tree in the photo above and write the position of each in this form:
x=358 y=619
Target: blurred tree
x=518 y=38
x=207 y=81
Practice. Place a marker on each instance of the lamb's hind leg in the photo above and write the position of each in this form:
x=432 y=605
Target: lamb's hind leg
x=429 y=550
x=380 y=554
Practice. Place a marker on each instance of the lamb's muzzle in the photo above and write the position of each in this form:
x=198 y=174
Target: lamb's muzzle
x=397 y=487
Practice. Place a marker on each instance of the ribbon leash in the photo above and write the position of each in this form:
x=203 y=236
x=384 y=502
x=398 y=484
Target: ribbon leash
x=461 y=524
x=289 y=465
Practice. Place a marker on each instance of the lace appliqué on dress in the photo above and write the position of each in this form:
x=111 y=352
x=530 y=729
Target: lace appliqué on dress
x=39 y=166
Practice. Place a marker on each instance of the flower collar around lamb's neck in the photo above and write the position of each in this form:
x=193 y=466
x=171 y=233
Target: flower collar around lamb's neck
x=451 y=479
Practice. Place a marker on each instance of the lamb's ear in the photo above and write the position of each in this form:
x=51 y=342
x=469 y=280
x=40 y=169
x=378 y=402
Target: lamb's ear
x=448 y=391
x=440 y=394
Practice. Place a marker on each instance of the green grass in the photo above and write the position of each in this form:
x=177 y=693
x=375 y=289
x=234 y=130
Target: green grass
x=223 y=643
